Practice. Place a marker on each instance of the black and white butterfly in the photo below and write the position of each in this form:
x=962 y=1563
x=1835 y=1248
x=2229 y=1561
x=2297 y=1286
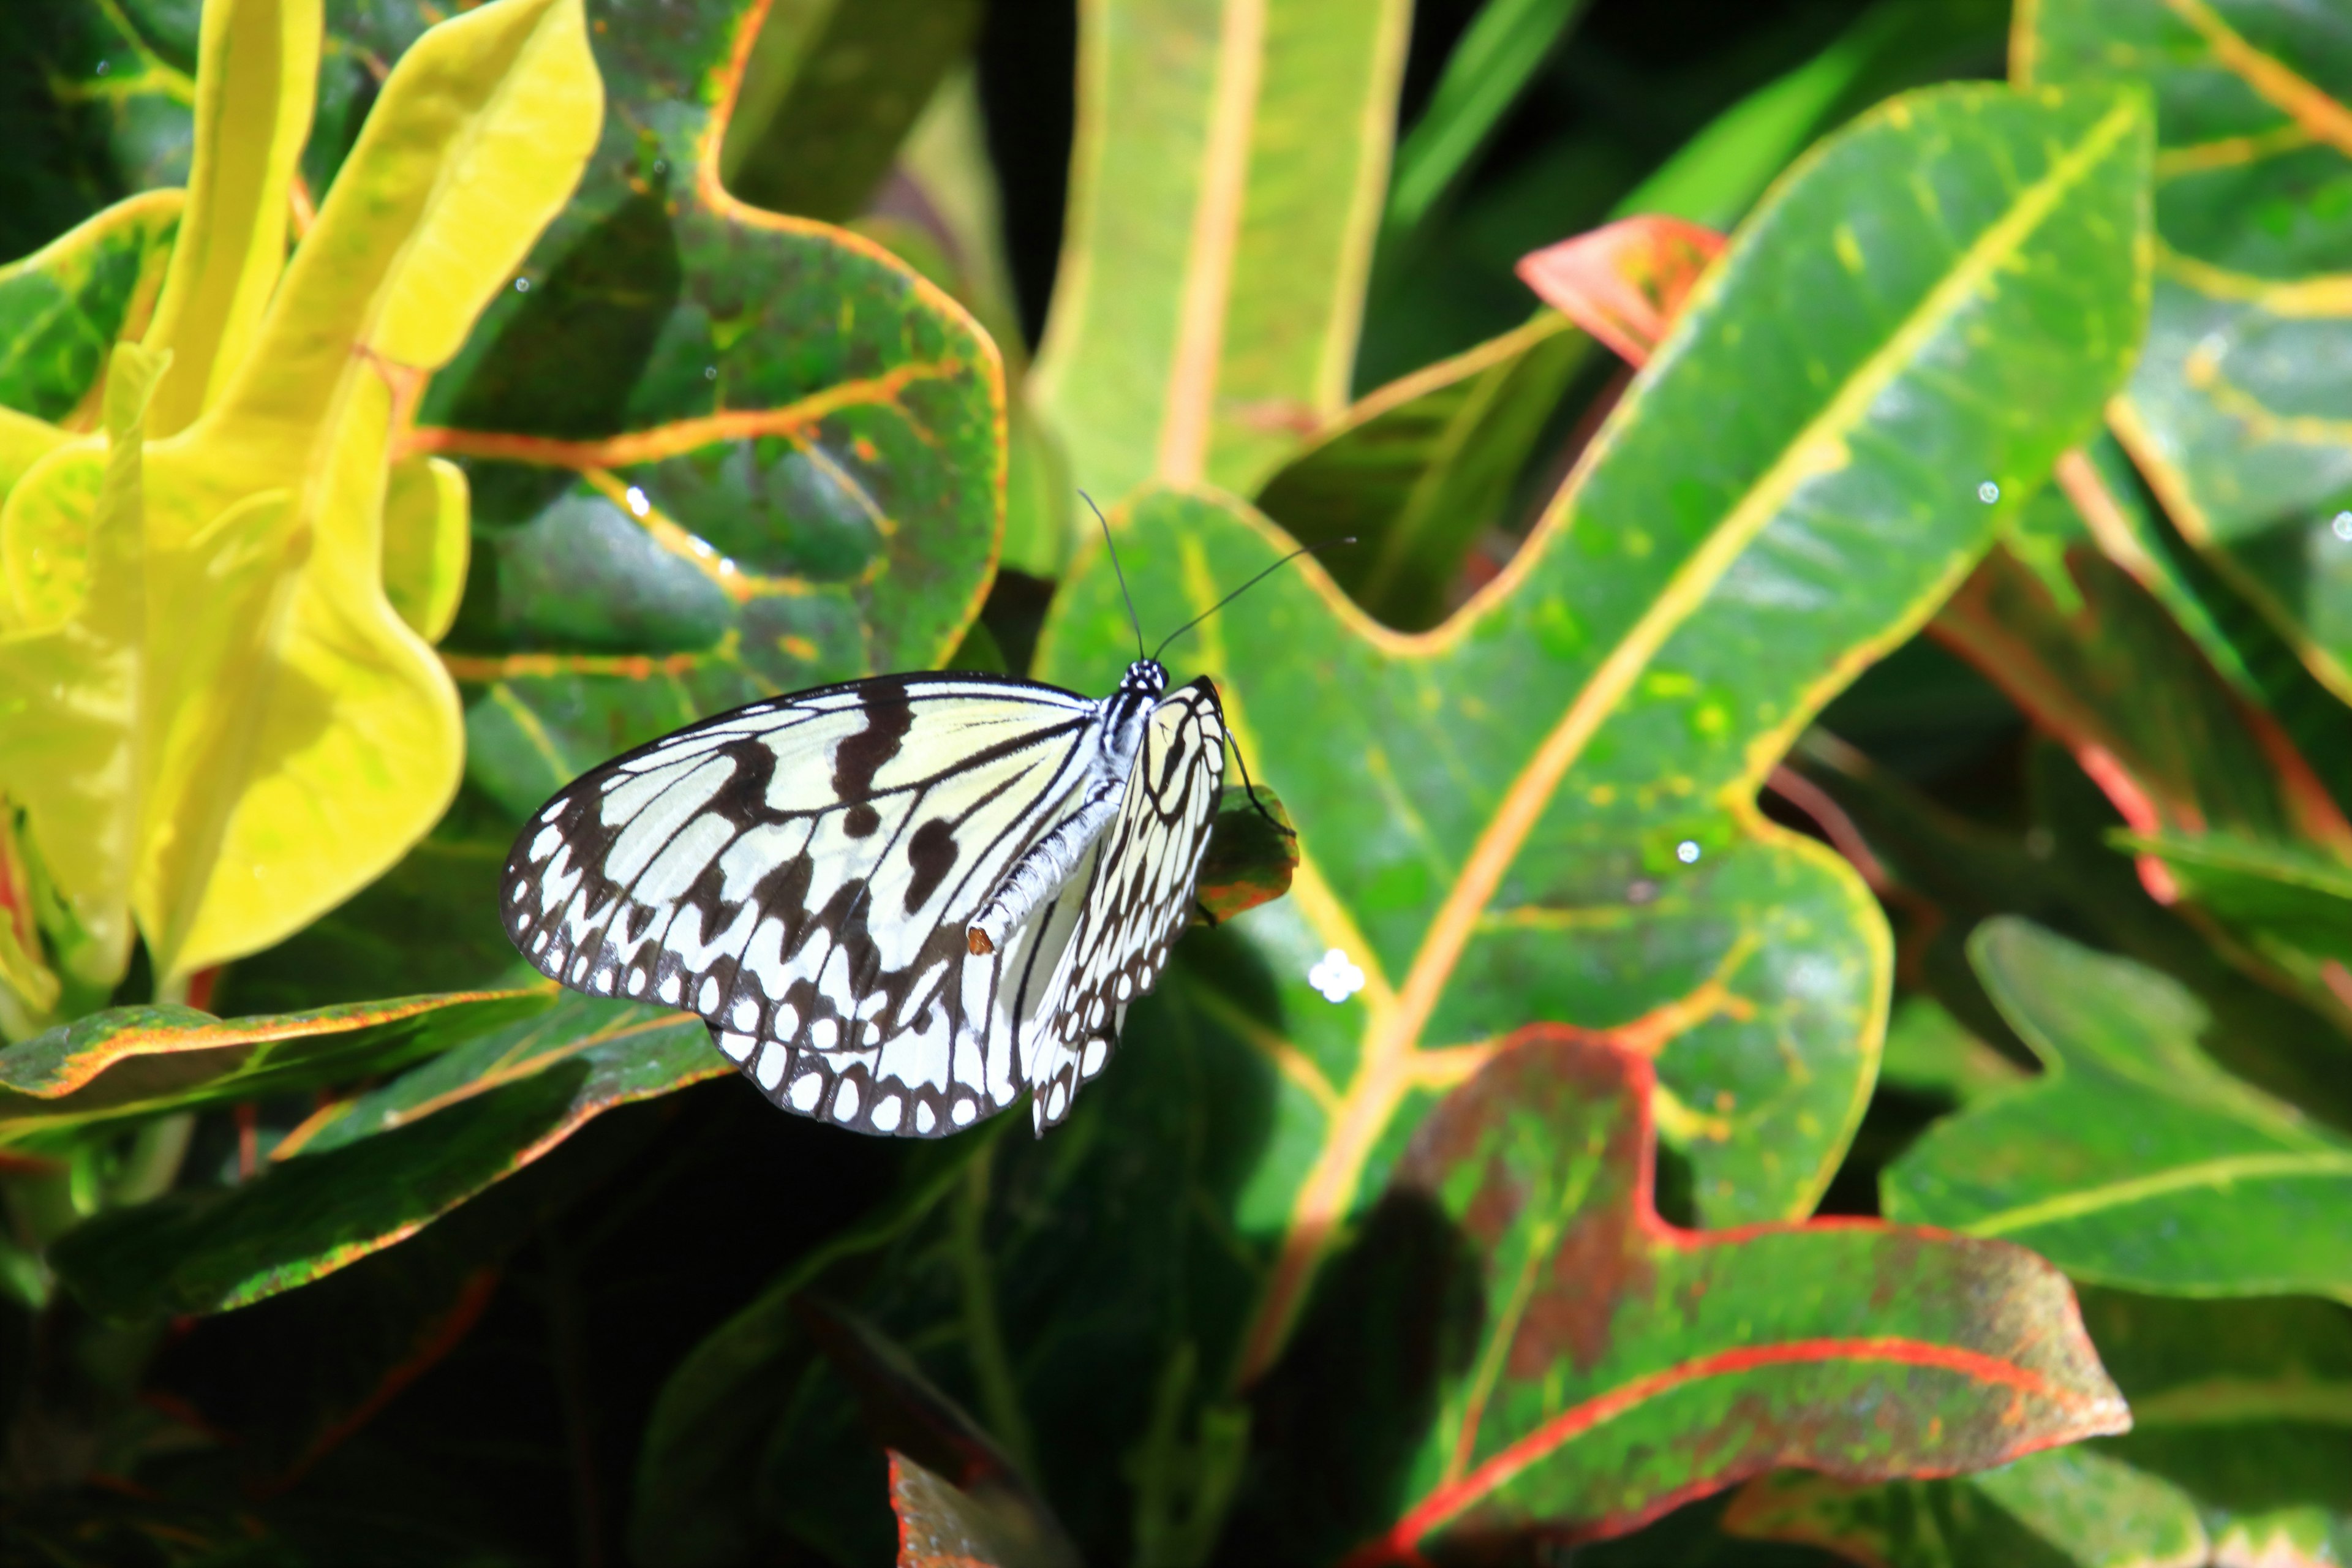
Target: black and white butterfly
x=898 y=902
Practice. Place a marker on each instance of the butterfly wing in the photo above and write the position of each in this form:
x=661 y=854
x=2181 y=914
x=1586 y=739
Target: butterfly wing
x=1139 y=899
x=801 y=873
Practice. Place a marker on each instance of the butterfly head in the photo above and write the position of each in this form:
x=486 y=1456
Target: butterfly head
x=1147 y=676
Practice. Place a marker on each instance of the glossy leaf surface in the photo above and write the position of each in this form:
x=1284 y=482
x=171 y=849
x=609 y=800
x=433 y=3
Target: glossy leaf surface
x=1225 y=186
x=1415 y=472
x=135 y=1061
x=2235 y=412
x=1584 y=1365
x=1545 y=808
x=714 y=452
x=2240 y=1451
x=2134 y=1160
x=371 y=1170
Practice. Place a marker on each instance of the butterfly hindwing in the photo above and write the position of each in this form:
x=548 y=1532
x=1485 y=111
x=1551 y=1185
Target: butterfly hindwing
x=799 y=872
x=1140 y=898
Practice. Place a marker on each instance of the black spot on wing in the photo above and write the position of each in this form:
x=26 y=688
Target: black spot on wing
x=931 y=852
x=858 y=758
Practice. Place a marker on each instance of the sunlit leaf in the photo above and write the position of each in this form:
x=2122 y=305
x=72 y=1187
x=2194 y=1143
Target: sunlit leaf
x=143 y=1061
x=1225 y=188
x=713 y=452
x=2240 y=1451
x=2134 y=1160
x=1544 y=808
x=2234 y=412
x=299 y=736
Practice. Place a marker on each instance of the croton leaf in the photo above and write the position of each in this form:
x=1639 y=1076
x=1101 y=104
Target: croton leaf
x=369 y=1169
x=1225 y=186
x=1417 y=470
x=1946 y=873
x=2234 y=413
x=714 y=452
x=1577 y=1365
x=950 y=1482
x=1625 y=283
x=300 y=736
x=2239 y=1452
x=2160 y=730
x=2072 y=1509
x=61 y=309
x=2134 y=1160
x=1545 y=808
x=143 y=1061
x=2288 y=904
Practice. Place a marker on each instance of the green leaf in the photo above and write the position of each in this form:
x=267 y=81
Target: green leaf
x=64 y=306
x=698 y=1497
x=2245 y=1407
x=1225 y=187
x=685 y=495
x=2072 y=1509
x=145 y=1061
x=1577 y=1365
x=2289 y=905
x=2134 y=1159
x=2115 y=679
x=1544 y=809
x=1928 y=1051
x=1419 y=470
x=380 y=1165
x=2240 y=1451
x=828 y=93
x=2059 y=868
x=1719 y=172
x=2250 y=451
x=1504 y=47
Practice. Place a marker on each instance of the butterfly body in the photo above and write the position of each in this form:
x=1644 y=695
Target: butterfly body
x=899 y=903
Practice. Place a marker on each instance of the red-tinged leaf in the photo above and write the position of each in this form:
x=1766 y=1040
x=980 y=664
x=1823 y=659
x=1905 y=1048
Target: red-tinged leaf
x=2155 y=725
x=138 y=1062
x=939 y=1526
x=1253 y=853
x=987 y=1511
x=1623 y=283
x=1581 y=1365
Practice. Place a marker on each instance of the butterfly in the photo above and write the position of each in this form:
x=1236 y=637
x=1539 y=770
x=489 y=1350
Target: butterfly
x=899 y=903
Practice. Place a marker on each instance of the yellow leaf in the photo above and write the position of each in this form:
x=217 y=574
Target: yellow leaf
x=222 y=725
x=69 y=693
x=427 y=541
x=256 y=84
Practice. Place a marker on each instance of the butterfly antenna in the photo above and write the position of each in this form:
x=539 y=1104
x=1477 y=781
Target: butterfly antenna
x=1261 y=576
x=1133 y=619
x=1249 y=787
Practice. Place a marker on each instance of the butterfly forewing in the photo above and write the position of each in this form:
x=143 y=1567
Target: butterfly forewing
x=1139 y=899
x=800 y=872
